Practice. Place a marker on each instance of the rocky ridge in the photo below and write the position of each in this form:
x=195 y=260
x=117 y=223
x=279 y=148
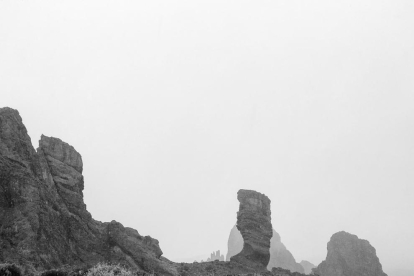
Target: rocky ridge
x=43 y=219
x=350 y=256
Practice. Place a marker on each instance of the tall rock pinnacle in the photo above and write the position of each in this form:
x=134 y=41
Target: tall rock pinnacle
x=254 y=224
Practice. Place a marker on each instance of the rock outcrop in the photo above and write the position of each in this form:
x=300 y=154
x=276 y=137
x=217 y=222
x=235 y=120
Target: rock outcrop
x=350 y=256
x=279 y=255
x=254 y=224
x=43 y=219
x=307 y=266
x=216 y=256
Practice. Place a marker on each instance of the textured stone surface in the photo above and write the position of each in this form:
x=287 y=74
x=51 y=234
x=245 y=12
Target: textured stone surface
x=350 y=256
x=43 y=219
x=279 y=255
x=254 y=224
x=307 y=266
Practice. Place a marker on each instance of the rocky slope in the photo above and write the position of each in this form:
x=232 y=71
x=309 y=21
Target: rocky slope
x=279 y=255
x=254 y=224
x=307 y=266
x=43 y=219
x=350 y=256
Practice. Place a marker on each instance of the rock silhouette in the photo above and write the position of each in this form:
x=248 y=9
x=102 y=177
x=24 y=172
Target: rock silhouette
x=254 y=224
x=216 y=256
x=44 y=221
x=348 y=255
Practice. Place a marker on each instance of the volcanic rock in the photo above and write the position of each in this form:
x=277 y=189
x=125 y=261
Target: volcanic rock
x=254 y=224
x=350 y=256
x=307 y=266
x=43 y=218
x=279 y=255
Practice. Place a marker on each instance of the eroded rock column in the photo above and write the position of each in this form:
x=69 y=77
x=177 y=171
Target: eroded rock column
x=254 y=224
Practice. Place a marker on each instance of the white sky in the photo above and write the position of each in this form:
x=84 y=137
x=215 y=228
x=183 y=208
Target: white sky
x=176 y=105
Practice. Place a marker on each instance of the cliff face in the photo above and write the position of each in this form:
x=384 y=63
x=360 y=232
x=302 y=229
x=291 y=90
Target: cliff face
x=43 y=219
x=254 y=224
x=350 y=256
x=279 y=255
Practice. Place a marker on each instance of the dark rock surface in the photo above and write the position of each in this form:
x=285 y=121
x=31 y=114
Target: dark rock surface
x=43 y=219
x=254 y=224
x=350 y=256
x=279 y=255
x=307 y=266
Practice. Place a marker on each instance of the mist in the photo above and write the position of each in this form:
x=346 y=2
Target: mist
x=176 y=105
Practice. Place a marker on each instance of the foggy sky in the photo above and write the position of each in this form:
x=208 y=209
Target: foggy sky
x=176 y=105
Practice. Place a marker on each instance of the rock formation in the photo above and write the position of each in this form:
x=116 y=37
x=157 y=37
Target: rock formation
x=215 y=256
x=307 y=266
x=43 y=219
x=254 y=224
x=350 y=256
x=279 y=255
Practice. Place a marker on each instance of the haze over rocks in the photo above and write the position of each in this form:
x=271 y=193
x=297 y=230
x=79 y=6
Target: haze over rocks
x=44 y=222
x=307 y=266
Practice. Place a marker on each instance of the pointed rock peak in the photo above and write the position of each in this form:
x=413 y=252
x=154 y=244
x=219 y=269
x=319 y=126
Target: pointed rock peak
x=59 y=150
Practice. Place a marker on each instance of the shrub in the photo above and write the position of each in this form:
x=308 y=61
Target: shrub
x=10 y=270
x=103 y=269
x=54 y=272
x=78 y=272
